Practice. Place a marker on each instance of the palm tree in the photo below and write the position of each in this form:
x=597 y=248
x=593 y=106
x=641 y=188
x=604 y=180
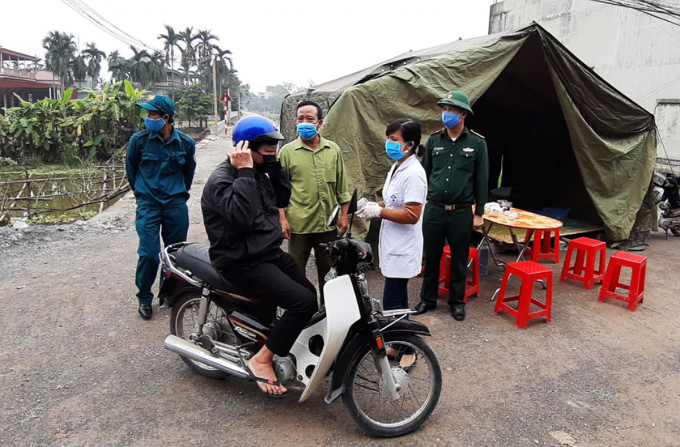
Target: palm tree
x=224 y=65
x=60 y=52
x=156 y=68
x=188 y=52
x=170 y=41
x=204 y=50
x=94 y=57
x=118 y=66
x=78 y=70
x=139 y=66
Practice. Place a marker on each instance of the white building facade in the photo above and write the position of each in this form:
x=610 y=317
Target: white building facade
x=635 y=52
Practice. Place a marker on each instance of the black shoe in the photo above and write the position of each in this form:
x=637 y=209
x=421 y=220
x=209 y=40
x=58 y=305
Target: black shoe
x=423 y=307
x=458 y=312
x=145 y=311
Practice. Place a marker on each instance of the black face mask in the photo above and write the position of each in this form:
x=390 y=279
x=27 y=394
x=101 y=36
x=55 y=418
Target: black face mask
x=269 y=164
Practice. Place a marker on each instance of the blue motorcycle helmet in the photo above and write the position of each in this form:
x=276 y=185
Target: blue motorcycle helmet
x=256 y=129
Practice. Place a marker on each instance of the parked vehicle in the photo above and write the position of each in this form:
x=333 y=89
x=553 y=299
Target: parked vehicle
x=668 y=197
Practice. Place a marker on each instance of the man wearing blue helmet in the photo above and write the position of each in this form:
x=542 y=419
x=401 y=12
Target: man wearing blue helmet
x=240 y=204
x=160 y=167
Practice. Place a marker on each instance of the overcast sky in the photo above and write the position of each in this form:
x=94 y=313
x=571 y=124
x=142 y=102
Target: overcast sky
x=272 y=41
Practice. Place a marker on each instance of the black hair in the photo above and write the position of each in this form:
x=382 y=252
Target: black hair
x=319 y=113
x=410 y=131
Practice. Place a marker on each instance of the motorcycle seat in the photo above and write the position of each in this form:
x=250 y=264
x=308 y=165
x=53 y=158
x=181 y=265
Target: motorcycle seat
x=196 y=258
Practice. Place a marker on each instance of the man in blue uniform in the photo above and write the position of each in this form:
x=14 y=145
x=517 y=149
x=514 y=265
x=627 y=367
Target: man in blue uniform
x=160 y=167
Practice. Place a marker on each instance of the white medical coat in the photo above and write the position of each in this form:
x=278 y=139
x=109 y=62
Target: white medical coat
x=401 y=245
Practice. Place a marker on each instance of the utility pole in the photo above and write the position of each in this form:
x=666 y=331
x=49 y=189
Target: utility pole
x=217 y=119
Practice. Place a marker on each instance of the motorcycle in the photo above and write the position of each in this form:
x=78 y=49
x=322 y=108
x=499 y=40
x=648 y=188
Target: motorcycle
x=667 y=196
x=215 y=329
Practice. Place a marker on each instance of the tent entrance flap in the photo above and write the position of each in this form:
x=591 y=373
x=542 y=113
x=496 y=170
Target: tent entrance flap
x=528 y=138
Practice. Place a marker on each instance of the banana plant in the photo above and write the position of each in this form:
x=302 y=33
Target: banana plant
x=92 y=128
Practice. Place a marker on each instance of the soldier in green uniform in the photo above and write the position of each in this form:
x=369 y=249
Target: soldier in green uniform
x=456 y=163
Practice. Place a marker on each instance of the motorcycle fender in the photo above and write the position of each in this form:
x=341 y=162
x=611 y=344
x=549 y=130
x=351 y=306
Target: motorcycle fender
x=173 y=288
x=353 y=350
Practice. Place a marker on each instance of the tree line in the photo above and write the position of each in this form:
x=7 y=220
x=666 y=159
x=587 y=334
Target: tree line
x=198 y=51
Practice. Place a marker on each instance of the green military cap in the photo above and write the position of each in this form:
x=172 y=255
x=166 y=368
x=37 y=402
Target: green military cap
x=458 y=99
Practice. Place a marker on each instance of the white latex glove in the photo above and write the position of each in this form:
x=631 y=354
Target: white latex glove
x=363 y=203
x=370 y=211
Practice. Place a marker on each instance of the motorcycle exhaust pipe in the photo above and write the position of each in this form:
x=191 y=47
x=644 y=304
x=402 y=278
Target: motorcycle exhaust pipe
x=187 y=349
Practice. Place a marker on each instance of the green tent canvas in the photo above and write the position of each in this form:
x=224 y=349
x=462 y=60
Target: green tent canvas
x=555 y=129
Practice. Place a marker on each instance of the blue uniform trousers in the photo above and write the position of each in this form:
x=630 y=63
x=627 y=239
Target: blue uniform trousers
x=172 y=223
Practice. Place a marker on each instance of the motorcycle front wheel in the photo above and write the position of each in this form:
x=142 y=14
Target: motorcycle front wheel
x=415 y=368
x=184 y=323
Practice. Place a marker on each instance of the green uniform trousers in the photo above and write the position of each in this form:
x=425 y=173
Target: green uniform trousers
x=454 y=227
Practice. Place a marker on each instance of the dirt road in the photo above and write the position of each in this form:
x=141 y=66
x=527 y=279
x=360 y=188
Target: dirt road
x=79 y=367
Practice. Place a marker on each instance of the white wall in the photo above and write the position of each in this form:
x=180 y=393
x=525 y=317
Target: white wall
x=667 y=120
x=636 y=53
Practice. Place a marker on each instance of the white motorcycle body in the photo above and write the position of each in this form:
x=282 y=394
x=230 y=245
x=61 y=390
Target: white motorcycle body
x=342 y=311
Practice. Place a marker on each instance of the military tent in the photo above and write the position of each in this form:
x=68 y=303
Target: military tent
x=554 y=128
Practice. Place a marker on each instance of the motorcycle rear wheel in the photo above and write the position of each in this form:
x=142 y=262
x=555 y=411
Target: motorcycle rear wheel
x=676 y=232
x=365 y=395
x=184 y=314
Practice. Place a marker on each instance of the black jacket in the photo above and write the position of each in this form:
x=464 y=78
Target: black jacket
x=241 y=214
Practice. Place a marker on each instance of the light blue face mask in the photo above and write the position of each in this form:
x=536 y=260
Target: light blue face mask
x=306 y=130
x=154 y=125
x=450 y=119
x=394 y=150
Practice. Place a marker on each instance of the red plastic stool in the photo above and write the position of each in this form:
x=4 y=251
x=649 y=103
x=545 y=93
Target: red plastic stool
x=584 y=265
x=472 y=284
x=529 y=272
x=541 y=248
x=636 y=288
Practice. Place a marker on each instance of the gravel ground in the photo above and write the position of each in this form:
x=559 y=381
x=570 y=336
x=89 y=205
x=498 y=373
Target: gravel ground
x=79 y=367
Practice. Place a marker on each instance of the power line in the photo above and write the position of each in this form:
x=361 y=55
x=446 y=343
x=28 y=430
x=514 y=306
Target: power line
x=647 y=7
x=125 y=38
x=85 y=6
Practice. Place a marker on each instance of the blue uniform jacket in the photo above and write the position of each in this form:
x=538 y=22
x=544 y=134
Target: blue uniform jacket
x=160 y=172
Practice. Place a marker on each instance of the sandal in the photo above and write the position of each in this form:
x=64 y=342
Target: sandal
x=256 y=379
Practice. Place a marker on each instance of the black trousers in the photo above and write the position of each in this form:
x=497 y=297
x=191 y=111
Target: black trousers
x=278 y=283
x=395 y=294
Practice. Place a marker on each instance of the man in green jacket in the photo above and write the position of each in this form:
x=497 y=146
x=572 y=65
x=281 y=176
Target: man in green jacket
x=456 y=163
x=317 y=175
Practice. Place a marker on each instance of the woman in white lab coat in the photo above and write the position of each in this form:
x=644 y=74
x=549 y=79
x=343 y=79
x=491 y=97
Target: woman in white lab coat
x=404 y=194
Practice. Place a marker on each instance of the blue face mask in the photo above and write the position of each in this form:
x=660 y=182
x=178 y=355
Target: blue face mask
x=450 y=119
x=154 y=125
x=306 y=130
x=393 y=150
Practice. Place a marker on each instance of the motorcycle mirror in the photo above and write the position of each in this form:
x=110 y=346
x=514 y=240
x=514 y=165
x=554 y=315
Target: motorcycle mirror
x=351 y=210
x=353 y=202
x=335 y=214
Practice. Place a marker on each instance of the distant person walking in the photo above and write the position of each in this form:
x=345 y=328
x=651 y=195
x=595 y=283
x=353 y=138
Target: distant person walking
x=317 y=174
x=160 y=165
